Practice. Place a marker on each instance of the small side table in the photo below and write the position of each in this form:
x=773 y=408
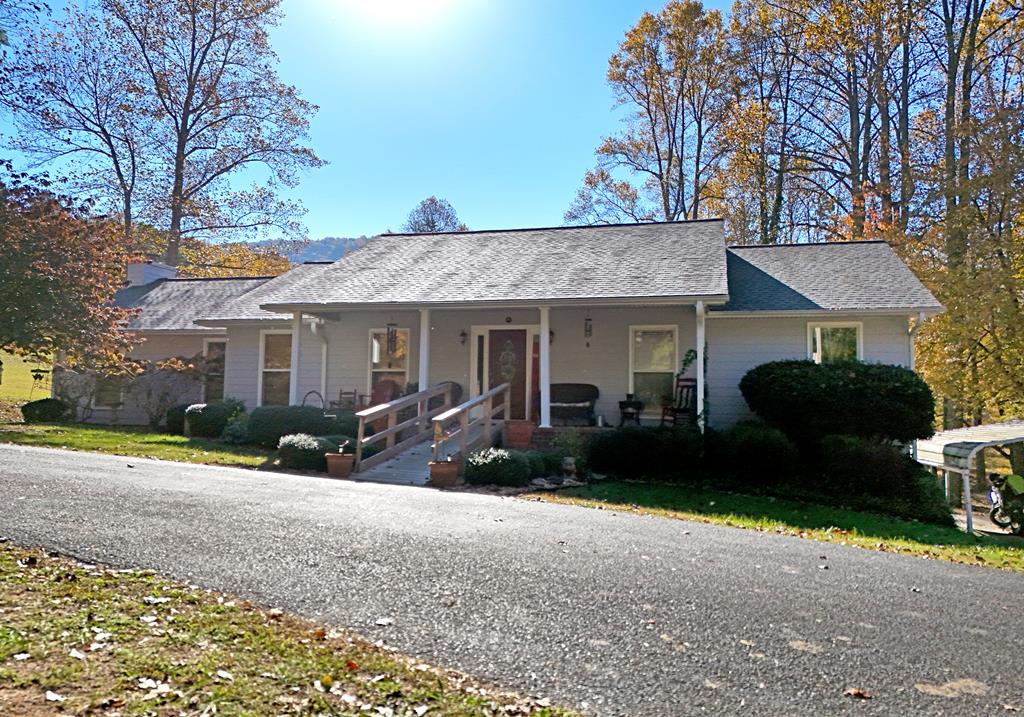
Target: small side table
x=630 y=411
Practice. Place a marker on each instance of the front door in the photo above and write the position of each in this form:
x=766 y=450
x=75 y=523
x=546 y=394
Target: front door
x=508 y=362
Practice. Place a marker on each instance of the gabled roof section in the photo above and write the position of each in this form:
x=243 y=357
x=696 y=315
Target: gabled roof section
x=832 y=276
x=625 y=262
x=175 y=304
x=246 y=307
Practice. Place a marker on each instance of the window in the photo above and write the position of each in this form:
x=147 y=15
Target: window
x=652 y=364
x=388 y=365
x=213 y=381
x=275 y=367
x=109 y=392
x=832 y=342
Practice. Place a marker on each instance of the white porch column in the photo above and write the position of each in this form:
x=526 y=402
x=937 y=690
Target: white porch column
x=293 y=378
x=545 y=367
x=700 y=364
x=424 y=376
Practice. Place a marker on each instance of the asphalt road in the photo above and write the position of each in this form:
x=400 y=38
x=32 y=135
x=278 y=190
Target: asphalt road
x=611 y=613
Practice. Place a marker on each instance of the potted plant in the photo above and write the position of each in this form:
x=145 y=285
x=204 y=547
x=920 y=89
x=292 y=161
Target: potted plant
x=341 y=464
x=518 y=433
x=444 y=473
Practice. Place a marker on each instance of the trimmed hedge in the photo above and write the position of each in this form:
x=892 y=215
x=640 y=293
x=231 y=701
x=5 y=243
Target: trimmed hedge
x=305 y=452
x=881 y=477
x=497 y=466
x=640 y=452
x=755 y=454
x=237 y=431
x=208 y=420
x=175 y=419
x=268 y=423
x=45 y=410
x=809 y=401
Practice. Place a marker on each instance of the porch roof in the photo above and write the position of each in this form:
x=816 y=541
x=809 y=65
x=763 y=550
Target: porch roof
x=830 y=276
x=634 y=262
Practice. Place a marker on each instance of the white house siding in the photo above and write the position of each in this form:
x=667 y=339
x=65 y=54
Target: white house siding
x=604 y=363
x=736 y=345
x=155 y=347
x=241 y=374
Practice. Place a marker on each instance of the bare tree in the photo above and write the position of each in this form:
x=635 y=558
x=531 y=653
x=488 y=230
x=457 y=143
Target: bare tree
x=431 y=216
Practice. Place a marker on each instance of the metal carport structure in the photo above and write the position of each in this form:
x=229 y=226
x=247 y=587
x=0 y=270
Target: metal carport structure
x=955 y=452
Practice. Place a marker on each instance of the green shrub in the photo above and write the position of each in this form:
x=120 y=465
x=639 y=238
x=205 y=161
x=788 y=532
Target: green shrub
x=809 y=401
x=208 y=420
x=570 y=443
x=640 y=452
x=881 y=477
x=175 y=419
x=346 y=424
x=45 y=410
x=237 y=430
x=541 y=463
x=268 y=423
x=755 y=454
x=497 y=466
x=305 y=452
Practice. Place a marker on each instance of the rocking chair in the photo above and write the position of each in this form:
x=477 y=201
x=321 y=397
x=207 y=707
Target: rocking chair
x=683 y=410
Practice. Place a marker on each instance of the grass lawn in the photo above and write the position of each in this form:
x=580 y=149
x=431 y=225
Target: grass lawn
x=17 y=386
x=817 y=522
x=78 y=639
x=134 y=441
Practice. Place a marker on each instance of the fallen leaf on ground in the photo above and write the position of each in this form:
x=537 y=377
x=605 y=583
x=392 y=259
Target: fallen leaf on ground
x=351 y=665
x=225 y=675
x=385 y=621
x=805 y=646
x=78 y=655
x=857 y=693
x=953 y=688
x=53 y=697
x=22 y=656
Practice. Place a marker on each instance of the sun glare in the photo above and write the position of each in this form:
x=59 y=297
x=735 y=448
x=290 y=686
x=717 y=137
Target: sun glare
x=395 y=12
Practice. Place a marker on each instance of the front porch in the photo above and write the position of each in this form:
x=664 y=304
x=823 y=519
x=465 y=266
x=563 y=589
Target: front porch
x=372 y=357
x=378 y=355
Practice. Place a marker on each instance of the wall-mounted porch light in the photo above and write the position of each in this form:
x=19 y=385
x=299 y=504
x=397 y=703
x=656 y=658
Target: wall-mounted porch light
x=463 y=336
x=588 y=329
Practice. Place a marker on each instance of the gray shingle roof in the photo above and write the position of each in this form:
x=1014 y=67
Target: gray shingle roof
x=634 y=261
x=174 y=304
x=832 y=276
x=246 y=307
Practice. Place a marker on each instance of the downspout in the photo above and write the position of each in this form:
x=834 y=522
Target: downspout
x=317 y=328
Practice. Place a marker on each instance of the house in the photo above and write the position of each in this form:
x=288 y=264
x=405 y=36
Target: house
x=617 y=307
x=164 y=323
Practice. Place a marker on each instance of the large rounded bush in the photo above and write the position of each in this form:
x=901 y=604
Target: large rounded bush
x=45 y=410
x=305 y=452
x=638 y=452
x=497 y=466
x=809 y=401
x=268 y=423
x=207 y=420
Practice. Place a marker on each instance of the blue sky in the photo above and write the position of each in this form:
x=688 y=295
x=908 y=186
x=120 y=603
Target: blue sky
x=494 y=105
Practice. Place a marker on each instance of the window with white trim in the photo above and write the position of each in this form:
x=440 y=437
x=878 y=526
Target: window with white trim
x=653 y=360
x=834 y=341
x=275 y=368
x=389 y=363
x=213 y=379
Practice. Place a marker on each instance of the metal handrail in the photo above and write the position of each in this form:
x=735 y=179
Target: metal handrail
x=461 y=413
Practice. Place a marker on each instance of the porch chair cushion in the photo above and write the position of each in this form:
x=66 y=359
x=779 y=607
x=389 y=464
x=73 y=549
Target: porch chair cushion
x=572 y=404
